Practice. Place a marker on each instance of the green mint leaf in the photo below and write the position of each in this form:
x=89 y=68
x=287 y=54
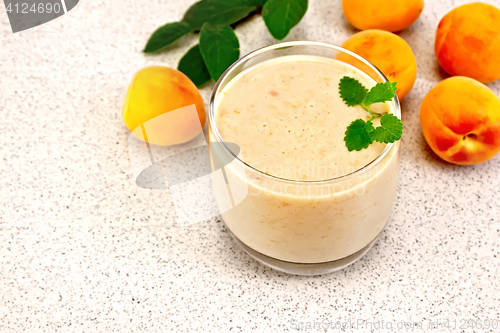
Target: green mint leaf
x=358 y=135
x=381 y=92
x=390 y=129
x=166 y=35
x=220 y=12
x=281 y=16
x=219 y=47
x=352 y=91
x=193 y=65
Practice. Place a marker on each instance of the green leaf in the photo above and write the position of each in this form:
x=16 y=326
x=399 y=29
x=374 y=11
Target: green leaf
x=220 y=12
x=390 y=129
x=358 y=135
x=219 y=47
x=381 y=92
x=352 y=91
x=282 y=15
x=259 y=3
x=166 y=35
x=193 y=65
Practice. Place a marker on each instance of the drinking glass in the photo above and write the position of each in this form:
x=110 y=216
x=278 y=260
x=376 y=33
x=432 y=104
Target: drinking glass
x=303 y=227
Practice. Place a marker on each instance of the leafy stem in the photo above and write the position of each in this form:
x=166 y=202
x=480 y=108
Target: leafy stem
x=361 y=134
x=212 y=59
x=373 y=114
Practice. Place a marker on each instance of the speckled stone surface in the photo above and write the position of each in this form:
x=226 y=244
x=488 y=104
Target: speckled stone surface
x=83 y=249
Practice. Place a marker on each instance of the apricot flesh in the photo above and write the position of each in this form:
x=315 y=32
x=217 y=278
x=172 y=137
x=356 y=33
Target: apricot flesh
x=163 y=106
x=468 y=42
x=388 y=52
x=460 y=119
x=387 y=15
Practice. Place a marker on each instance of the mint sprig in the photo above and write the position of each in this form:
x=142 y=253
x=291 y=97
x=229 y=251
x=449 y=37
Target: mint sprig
x=360 y=134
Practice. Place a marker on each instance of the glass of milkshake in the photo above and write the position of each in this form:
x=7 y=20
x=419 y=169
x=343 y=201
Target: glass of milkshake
x=309 y=206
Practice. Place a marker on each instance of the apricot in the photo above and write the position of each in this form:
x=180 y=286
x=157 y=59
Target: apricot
x=158 y=99
x=390 y=15
x=460 y=119
x=468 y=42
x=388 y=52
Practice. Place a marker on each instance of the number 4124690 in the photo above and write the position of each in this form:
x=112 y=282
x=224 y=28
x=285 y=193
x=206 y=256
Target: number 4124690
x=474 y=324
x=24 y=8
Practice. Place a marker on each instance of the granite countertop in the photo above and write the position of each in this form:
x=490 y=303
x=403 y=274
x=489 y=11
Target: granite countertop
x=84 y=249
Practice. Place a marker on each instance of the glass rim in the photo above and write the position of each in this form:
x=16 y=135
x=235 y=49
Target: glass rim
x=216 y=91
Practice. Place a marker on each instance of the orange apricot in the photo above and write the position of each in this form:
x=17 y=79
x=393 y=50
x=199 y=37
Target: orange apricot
x=387 y=15
x=468 y=42
x=163 y=106
x=460 y=119
x=388 y=52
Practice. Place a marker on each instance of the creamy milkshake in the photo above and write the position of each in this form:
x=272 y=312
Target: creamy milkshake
x=309 y=199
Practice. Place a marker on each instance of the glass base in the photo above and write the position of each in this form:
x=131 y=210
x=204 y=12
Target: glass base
x=302 y=268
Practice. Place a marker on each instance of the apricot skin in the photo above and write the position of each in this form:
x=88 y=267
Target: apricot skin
x=468 y=42
x=460 y=119
x=390 y=15
x=388 y=52
x=155 y=91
